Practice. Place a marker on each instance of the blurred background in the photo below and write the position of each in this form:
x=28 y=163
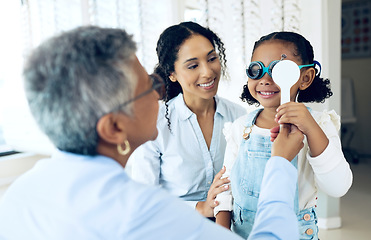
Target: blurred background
x=339 y=31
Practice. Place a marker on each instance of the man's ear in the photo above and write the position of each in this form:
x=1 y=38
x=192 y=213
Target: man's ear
x=111 y=128
x=307 y=79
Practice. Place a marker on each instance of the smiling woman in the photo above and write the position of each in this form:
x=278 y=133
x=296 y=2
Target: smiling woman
x=188 y=153
x=197 y=70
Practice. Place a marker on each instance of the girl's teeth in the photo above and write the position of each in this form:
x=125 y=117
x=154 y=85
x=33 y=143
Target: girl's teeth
x=267 y=93
x=207 y=84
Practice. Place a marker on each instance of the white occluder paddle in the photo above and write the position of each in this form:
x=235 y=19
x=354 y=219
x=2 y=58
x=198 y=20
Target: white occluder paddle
x=285 y=74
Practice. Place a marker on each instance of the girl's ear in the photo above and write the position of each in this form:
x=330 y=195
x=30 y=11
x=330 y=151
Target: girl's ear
x=307 y=78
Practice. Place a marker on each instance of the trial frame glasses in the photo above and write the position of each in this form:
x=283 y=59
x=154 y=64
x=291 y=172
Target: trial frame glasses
x=256 y=69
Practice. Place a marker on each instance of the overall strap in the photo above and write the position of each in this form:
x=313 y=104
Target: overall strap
x=251 y=118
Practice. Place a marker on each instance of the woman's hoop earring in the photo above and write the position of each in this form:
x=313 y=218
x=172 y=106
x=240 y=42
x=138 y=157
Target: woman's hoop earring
x=122 y=151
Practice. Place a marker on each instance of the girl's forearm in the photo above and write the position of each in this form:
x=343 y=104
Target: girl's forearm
x=200 y=207
x=317 y=141
x=223 y=218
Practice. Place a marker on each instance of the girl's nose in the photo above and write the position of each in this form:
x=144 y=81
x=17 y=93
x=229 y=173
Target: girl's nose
x=266 y=80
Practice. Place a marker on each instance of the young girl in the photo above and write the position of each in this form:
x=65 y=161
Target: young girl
x=321 y=163
x=189 y=149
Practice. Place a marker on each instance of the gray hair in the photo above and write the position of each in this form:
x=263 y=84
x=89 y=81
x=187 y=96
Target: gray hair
x=73 y=79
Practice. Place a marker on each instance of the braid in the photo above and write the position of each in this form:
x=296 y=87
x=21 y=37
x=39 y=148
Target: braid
x=167 y=115
x=222 y=56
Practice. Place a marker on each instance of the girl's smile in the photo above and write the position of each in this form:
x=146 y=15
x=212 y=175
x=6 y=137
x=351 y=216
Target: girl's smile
x=268 y=94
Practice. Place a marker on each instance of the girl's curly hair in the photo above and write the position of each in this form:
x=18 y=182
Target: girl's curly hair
x=318 y=91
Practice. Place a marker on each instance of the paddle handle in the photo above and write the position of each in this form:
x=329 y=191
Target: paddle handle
x=285 y=98
x=285 y=95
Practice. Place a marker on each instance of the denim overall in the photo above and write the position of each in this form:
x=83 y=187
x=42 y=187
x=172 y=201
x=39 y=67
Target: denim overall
x=246 y=178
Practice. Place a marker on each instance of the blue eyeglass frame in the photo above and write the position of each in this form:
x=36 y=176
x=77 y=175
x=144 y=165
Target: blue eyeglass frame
x=263 y=69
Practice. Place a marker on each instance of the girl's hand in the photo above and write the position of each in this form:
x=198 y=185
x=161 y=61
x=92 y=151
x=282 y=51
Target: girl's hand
x=296 y=114
x=207 y=208
x=274 y=133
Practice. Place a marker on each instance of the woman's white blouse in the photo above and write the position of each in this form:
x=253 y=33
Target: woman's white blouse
x=180 y=160
x=329 y=171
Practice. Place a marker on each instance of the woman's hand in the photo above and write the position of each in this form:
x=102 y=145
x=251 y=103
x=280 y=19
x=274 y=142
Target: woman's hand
x=288 y=142
x=206 y=208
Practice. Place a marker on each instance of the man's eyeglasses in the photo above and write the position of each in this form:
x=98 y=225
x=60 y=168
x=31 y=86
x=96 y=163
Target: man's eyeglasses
x=157 y=84
x=256 y=70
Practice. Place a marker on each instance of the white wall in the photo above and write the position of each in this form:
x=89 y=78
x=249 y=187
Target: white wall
x=358 y=70
x=323 y=30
